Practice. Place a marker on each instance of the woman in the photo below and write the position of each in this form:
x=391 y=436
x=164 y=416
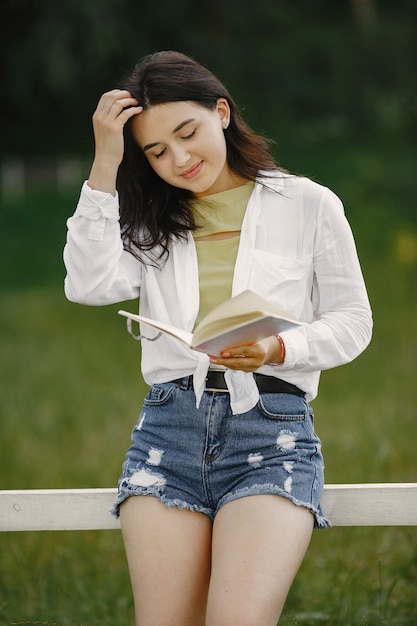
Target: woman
x=221 y=486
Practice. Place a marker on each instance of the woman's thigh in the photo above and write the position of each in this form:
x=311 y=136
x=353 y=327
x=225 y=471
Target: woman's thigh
x=258 y=545
x=169 y=556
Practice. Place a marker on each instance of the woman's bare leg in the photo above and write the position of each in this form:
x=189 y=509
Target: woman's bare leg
x=169 y=556
x=258 y=545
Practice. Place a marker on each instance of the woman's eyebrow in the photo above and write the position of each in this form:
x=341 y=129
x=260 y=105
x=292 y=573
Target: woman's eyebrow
x=176 y=129
x=192 y=119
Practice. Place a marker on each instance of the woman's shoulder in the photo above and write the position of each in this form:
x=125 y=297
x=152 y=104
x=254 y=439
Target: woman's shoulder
x=295 y=185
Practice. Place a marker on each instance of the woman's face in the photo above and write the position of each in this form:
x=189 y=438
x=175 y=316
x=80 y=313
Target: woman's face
x=185 y=145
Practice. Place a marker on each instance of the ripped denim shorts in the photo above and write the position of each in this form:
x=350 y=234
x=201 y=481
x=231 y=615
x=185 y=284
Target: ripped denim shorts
x=201 y=459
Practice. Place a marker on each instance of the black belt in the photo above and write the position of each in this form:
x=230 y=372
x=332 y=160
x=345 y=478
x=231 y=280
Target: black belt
x=266 y=384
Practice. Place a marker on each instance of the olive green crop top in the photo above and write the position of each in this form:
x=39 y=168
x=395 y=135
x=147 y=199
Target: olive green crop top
x=218 y=213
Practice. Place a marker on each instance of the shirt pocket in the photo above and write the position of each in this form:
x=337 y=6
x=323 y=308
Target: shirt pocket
x=284 y=281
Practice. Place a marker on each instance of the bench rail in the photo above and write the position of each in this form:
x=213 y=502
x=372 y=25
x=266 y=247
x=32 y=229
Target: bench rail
x=382 y=504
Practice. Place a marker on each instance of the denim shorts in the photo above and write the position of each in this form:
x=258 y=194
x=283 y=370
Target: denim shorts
x=201 y=459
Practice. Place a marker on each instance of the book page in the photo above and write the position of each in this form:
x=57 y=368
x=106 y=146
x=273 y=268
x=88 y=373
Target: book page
x=242 y=334
x=239 y=310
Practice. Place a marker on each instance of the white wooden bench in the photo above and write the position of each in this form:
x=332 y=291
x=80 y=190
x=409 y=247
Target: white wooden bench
x=388 y=504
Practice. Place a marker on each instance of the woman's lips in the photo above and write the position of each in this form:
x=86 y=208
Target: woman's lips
x=193 y=171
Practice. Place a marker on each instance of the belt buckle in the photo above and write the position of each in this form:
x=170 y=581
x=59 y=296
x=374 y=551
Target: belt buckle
x=216 y=390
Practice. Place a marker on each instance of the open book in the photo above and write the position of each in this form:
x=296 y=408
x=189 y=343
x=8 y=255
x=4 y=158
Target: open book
x=243 y=319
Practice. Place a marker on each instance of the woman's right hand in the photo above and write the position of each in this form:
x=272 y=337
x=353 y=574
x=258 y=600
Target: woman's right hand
x=114 y=109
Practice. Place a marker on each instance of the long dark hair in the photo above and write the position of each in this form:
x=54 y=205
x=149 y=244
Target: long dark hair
x=152 y=212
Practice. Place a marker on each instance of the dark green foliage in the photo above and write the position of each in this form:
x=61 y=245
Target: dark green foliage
x=302 y=70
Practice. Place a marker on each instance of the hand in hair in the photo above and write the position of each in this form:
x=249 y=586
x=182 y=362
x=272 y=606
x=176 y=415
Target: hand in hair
x=114 y=109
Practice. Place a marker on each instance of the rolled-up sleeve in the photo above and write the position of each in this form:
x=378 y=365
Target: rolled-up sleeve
x=99 y=270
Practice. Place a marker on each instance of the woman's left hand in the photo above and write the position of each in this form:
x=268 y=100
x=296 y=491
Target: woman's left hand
x=250 y=357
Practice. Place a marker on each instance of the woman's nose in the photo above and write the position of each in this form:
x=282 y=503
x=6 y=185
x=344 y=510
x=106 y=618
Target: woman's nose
x=181 y=156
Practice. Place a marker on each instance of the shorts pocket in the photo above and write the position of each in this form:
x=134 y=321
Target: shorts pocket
x=158 y=395
x=287 y=408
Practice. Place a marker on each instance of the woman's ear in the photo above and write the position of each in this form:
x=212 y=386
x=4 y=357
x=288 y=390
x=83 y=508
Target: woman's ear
x=223 y=111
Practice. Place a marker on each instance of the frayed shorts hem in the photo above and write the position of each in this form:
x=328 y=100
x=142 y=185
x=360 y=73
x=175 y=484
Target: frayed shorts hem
x=255 y=490
x=169 y=503
x=269 y=489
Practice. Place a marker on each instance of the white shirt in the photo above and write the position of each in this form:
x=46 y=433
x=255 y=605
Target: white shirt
x=296 y=250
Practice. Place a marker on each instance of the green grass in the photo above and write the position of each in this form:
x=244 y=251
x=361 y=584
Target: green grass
x=70 y=392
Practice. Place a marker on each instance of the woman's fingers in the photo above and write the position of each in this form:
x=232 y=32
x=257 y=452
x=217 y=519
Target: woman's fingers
x=247 y=358
x=114 y=102
x=250 y=357
x=119 y=97
x=116 y=106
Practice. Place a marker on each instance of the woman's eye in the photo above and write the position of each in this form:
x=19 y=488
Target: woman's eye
x=190 y=135
x=159 y=154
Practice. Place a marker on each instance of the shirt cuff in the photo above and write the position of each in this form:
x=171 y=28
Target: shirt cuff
x=296 y=349
x=94 y=204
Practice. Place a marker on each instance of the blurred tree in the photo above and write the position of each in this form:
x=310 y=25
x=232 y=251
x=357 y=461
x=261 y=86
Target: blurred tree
x=364 y=12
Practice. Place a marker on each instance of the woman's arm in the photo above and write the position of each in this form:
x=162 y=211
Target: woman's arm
x=342 y=326
x=99 y=271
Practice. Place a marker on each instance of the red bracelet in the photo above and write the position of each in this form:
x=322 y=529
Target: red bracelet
x=281 y=343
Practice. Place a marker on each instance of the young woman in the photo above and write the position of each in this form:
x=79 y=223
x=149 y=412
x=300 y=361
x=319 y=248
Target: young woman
x=184 y=207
